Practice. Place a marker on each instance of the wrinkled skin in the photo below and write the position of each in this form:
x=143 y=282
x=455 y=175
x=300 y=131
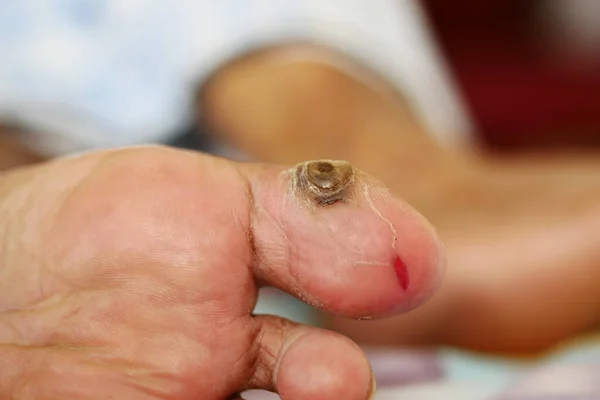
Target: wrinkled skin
x=132 y=274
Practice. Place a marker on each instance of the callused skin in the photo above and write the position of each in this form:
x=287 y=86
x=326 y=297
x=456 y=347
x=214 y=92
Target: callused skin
x=132 y=274
x=325 y=181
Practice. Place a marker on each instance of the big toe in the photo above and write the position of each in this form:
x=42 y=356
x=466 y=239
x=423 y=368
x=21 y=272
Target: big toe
x=337 y=239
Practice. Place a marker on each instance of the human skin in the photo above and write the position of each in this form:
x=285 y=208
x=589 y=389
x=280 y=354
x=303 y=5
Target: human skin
x=521 y=231
x=133 y=274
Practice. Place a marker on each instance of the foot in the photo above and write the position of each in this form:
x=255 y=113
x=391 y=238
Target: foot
x=133 y=274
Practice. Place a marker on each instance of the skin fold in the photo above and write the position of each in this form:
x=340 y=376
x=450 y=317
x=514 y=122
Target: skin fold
x=520 y=234
x=133 y=274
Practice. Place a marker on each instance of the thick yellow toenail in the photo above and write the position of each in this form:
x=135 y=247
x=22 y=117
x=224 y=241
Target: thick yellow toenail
x=325 y=181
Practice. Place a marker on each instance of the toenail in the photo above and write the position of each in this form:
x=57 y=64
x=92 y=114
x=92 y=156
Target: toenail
x=325 y=181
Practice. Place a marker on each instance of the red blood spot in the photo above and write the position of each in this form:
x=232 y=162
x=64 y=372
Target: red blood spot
x=401 y=273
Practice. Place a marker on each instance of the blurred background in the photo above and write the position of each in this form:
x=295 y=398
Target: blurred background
x=529 y=70
x=484 y=115
x=519 y=74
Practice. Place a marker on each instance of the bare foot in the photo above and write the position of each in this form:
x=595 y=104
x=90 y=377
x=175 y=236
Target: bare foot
x=133 y=274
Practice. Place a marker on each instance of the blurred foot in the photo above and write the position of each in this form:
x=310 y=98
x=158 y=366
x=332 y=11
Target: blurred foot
x=12 y=153
x=522 y=235
x=522 y=238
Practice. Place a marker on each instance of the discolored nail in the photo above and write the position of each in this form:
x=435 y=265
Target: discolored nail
x=325 y=181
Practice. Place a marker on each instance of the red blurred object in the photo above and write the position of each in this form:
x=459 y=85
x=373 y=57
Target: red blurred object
x=519 y=96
